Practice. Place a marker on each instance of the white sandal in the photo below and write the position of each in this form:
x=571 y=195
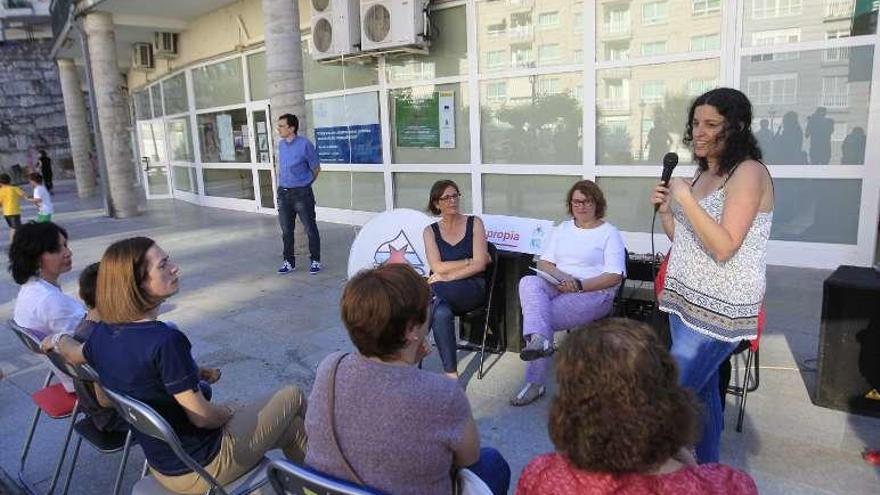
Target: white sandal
x=529 y=393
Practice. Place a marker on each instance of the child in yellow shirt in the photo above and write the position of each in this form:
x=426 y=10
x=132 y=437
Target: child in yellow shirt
x=10 y=198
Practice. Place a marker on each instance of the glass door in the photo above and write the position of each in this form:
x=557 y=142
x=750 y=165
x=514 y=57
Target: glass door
x=154 y=159
x=183 y=171
x=263 y=146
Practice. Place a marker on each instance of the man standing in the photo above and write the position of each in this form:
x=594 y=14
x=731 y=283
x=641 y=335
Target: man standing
x=298 y=168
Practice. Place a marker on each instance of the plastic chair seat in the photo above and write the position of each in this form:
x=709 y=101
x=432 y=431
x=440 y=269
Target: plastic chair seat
x=106 y=442
x=55 y=401
x=252 y=480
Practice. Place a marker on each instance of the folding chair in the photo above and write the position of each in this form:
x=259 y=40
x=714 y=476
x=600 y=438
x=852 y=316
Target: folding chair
x=53 y=400
x=483 y=313
x=751 y=371
x=104 y=442
x=148 y=422
x=289 y=479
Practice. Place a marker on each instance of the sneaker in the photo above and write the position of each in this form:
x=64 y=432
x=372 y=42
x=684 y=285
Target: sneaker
x=315 y=267
x=537 y=348
x=286 y=267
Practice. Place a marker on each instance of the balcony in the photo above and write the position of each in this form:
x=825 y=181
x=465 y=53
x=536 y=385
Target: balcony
x=520 y=32
x=616 y=30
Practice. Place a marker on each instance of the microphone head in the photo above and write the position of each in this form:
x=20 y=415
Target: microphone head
x=670 y=160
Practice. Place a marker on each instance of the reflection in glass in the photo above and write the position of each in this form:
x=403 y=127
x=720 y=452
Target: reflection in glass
x=174 y=90
x=229 y=182
x=523 y=34
x=223 y=136
x=322 y=77
x=153 y=141
x=157 y=100
x=363 y=191
x=157 y=180
x=184 y=178
x=416 y=129
x=178 y=139
x=267 y=193
x=534 y=119
x=218 y=84
x=533 y=196
x=447 y=56
x=257 y=76
x=627 y=30
x=811 y=109
x=641 y=111
x=815 y=20
x=817 y=210
x=629 y=208
x=142 y=108
x=411 y=189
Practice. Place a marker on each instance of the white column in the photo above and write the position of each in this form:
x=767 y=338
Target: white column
x=112 y=111
x=77 y=128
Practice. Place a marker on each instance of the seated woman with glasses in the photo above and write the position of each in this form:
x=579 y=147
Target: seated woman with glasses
x=376 y=419
x=458 y=256
x=621 y=423
x=586 y=258
x=138 y=355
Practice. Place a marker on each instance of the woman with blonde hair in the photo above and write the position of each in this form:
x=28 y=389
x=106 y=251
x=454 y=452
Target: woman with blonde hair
x=136 y=354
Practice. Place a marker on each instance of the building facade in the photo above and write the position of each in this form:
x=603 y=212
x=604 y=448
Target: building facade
x=517 y=99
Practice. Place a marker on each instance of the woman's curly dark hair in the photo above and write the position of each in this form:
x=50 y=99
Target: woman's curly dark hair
x=739 y=144
x=31 y=240
x=619 y=408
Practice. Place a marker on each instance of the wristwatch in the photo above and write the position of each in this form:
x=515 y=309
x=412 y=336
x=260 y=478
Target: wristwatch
x=579 y=284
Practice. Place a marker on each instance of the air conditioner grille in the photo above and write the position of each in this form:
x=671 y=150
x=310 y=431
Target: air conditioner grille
x=377 y=23
x=320 y=5
x=322 y=36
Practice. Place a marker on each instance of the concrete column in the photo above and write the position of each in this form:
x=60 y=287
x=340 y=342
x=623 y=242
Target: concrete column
x=77 y=128
x=112 y=109
x=284 y=73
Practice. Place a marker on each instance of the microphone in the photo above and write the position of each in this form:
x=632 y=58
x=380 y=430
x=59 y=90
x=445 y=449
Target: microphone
x=670 y=160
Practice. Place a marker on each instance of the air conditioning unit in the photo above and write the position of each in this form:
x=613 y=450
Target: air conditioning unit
x=335 y=28
x=392 y=24
x=142 y=56
x=164 y=44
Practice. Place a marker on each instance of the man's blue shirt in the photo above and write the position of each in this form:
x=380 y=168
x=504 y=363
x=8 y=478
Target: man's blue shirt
x=297 y=161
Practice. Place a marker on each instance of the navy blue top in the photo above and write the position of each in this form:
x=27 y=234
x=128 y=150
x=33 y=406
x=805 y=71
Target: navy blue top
x=461 y=251
x=151 y=361
x=297 y=161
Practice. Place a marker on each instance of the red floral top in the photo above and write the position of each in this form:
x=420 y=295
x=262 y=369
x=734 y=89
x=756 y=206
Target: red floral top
x=552 y=474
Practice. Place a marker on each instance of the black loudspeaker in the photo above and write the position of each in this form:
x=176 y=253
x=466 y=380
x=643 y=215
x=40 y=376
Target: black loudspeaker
x=850 y=304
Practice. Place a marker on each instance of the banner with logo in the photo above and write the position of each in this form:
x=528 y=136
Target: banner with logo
x=393 y=236
x=518 y=234
x=347 y=129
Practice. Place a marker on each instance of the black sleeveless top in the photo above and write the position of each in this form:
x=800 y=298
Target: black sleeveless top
x=464 y=249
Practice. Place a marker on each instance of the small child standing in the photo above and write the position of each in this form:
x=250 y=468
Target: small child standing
x=41 y=198
x=10 y=198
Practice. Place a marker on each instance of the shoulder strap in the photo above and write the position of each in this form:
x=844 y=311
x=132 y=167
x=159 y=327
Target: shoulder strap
x=699 y=174
x=331 y=411
x=436 y=228
x=469 y=227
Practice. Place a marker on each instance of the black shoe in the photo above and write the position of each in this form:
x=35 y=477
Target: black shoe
x=537 y=348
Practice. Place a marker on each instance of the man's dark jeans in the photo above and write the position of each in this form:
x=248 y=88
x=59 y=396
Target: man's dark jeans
x=299 y=201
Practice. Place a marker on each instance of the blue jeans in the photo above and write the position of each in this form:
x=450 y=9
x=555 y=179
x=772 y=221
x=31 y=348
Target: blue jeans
x=453 y=298
x=698 y=357
x=293 y=201
x=493 y=470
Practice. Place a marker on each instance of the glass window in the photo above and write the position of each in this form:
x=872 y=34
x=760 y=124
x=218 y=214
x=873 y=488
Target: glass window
x=527 y=195
x=142 y=105
x=319 y=78
x=642 y=29
x=235 y=183
x=411 y=189
x=532 y=32
x=218 y=84
x=224 y=136
x=157 y=180
x=496 y=90
x=267 y=192
x=184 y=178
x=800 y=104
x=363 y=191
x=629 y=208
x=655 y=13
x=430 y=124
x=346 y=129
x=839 y=54
x=257 y=76
x=156 y=93
x=642 y=128
x=539 y=121
x=447 y=56
x=174 y=90
x=814 y=18
x=696 y=87
x=817 y=210
x=178 y=131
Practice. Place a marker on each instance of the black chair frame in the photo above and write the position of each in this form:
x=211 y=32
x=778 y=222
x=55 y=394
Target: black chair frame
x=485 y=311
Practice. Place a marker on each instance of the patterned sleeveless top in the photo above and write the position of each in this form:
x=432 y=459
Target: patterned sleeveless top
x=719 y=300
